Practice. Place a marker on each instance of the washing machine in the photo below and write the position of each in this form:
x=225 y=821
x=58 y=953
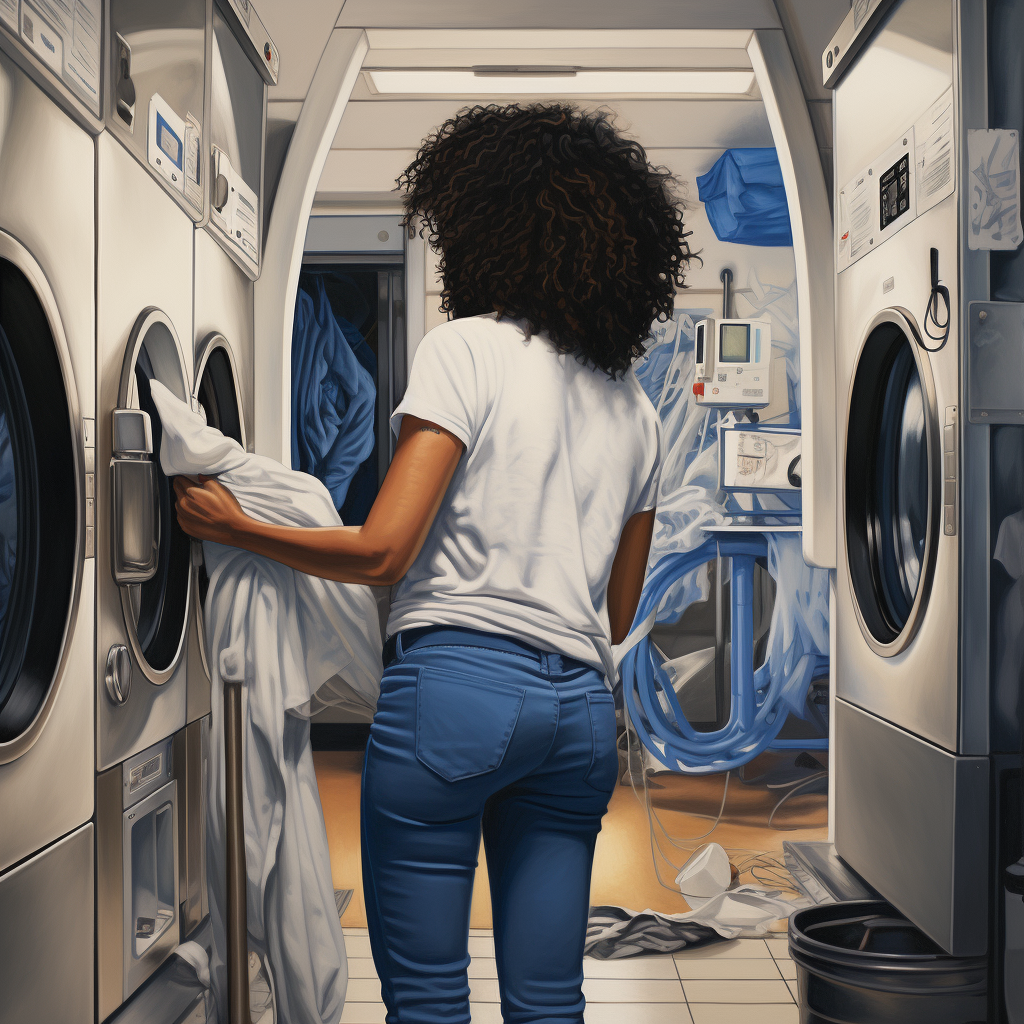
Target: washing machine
x=144 y=252
x=912 y=685
x=47 y=555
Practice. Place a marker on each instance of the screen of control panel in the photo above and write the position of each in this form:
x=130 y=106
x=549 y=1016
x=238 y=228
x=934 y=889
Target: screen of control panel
x=894 y=191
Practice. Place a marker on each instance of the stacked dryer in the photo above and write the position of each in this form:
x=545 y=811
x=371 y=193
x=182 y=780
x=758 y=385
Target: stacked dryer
x=929 y=628
x=179 y=176
x=47 y=552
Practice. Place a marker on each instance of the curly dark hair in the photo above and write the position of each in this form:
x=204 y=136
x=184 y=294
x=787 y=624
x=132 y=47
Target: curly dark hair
x=546 y=213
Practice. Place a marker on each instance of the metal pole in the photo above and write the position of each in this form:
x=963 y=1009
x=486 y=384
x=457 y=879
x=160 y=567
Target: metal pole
x=238 y=932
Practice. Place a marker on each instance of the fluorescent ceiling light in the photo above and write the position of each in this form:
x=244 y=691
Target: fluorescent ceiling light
x=562 y=81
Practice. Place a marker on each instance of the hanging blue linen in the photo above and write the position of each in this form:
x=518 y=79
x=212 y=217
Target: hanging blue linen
x=745 y=198
x=333 y=397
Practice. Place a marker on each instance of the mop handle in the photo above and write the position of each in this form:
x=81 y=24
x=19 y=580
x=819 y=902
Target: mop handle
x=238 y=939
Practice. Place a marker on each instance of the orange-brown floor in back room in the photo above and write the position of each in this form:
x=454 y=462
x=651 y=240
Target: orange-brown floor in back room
x=624 y=869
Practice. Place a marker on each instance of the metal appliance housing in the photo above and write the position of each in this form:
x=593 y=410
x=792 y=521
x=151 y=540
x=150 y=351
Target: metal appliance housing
x=47 y=312
x=912 y=617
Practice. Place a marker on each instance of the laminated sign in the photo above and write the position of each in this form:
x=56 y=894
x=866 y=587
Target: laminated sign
x=994 y=189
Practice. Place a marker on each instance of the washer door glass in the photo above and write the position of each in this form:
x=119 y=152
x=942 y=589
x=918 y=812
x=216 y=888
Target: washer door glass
x=39 y=506
x=888 y=484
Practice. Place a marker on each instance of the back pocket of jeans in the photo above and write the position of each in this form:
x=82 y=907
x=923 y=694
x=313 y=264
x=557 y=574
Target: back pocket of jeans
x=463 y=726
x=604 y=762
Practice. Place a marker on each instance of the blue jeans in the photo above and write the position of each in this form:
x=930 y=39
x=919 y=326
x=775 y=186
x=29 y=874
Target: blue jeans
x=475 y=731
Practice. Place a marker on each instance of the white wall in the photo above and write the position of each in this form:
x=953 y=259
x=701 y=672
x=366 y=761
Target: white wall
x=378 y=139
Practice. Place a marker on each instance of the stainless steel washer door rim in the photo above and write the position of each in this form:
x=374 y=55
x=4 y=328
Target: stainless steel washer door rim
x=13 y=252
x=156 y=613
x=216 y=392
x=892 y=480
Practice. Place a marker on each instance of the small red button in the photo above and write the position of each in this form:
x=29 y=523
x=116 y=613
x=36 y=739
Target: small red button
x=267 y=52
x=698 y=389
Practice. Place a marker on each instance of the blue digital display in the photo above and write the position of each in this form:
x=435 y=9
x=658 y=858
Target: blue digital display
x=168 y=141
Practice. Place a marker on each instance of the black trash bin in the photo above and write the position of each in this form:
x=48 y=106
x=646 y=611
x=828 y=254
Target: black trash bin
x=862 y=962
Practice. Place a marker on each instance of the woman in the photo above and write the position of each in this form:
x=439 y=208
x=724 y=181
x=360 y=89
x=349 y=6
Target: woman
x=514 y=523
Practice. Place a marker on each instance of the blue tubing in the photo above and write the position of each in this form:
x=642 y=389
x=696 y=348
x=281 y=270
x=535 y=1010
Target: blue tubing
x=755 y=715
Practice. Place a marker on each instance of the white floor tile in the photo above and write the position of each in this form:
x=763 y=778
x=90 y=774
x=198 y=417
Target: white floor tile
x=357 y=945
x=736 y=991
x=636 y=967
x=363 y=1013
x=361 y=967
x=788 y=969
x=483 y=967
x=484 y=990
x=485 y=1013
x=363 y=990
x=636 y=1013
x=480 y=945
x=632 y=990
x=779 y=948
x=722 y=1013
x=728 y=969
x=742 y=949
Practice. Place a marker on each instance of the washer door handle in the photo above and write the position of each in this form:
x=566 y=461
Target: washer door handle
x=118 y=676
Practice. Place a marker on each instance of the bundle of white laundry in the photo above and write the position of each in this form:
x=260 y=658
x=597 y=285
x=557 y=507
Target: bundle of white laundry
x=283 y=635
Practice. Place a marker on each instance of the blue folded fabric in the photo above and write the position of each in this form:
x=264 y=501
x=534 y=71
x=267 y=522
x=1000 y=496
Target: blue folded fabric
x=745 y=198
x=333 y=395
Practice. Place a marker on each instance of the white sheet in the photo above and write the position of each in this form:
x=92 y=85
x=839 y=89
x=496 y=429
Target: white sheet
x=282 y=634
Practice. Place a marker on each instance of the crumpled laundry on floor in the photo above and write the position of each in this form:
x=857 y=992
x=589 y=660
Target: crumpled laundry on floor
x=282 y=635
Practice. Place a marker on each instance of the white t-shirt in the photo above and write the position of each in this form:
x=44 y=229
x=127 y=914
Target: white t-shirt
x=558 y=457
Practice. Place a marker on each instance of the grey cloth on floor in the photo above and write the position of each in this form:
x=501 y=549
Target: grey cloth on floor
x=614 y=933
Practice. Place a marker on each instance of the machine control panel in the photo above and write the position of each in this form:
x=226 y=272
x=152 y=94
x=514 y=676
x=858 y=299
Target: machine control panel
x=89 y=449
x=66 y=38
x=733 y=363
x=173 y=149
x=894 y=192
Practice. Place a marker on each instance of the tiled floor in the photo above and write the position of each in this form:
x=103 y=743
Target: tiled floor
x=749 y=981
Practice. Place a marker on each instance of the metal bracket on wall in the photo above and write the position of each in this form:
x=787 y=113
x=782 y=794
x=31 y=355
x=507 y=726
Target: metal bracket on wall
x=995 y=362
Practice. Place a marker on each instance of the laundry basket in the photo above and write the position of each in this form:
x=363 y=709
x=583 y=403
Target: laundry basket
x=862 y=962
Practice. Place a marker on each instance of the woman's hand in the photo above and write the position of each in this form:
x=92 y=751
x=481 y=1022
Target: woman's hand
x=207 y=510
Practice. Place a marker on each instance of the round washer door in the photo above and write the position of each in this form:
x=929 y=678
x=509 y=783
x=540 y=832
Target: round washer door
x=893 y=475
x=40 y=501
x=219 y=400
x=156 y=610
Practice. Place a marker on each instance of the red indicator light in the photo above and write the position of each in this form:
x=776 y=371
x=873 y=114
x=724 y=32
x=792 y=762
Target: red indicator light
x=698 y=389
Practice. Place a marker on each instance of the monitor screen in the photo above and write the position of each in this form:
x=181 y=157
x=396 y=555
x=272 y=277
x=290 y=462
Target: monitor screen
x=700 y=344
x=734 y=343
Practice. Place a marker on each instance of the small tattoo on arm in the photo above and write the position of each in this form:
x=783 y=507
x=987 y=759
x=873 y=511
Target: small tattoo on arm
x=432 y=430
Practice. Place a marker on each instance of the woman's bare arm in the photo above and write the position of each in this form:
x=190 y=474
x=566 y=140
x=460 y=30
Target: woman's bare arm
x=377 y=553
x=627 y=577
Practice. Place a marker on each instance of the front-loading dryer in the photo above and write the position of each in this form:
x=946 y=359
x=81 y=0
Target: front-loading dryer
x=911 y=717
x=144 y=587
x=47 y=563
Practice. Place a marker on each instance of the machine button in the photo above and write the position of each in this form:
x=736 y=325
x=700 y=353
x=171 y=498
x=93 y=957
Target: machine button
x=90 y=485
x=90 y=512
x=949 y=438
x=949 y=520
x=90 y=460
x=89 y=433
x=949 y=463
x=90 y=542
x=698 y=389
